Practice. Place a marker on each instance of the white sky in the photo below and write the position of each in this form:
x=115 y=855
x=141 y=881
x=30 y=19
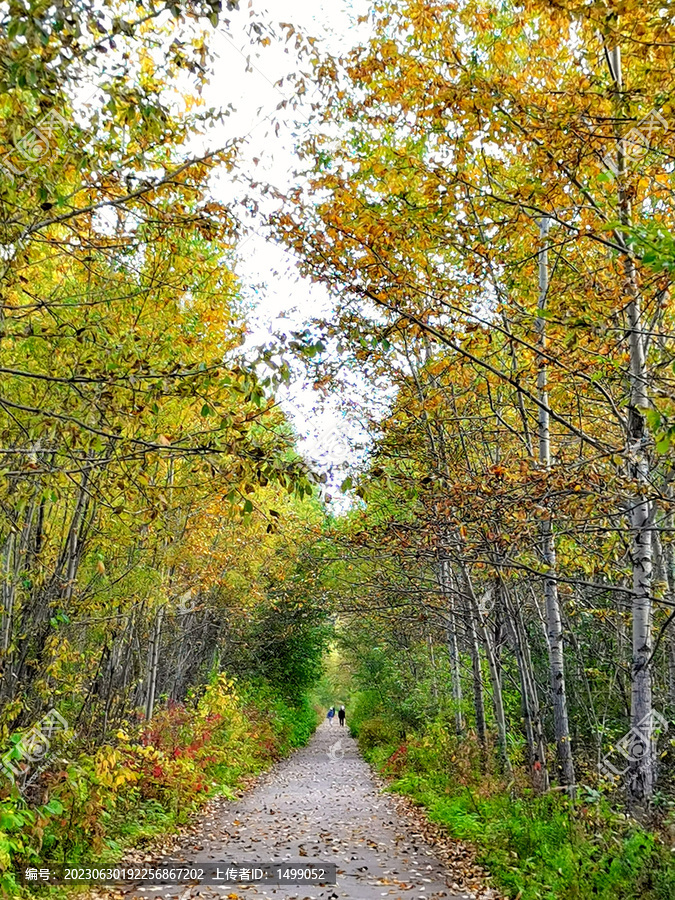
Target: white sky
x=280 y=300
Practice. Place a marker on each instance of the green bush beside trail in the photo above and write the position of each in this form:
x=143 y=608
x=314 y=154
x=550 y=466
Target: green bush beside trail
x=150 y=779
x=535 y=848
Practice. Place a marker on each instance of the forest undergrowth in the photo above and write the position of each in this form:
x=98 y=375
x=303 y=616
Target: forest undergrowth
x=535 y=847
x=150 y=779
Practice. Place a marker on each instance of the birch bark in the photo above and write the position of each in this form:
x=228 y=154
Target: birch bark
x=554 y=627
x=641 y=774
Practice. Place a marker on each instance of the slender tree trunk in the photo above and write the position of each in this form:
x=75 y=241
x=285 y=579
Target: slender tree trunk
x=497 y=698
x=641 y=774
x=70 y=556
x=554 y=628
x=671 y=668
x=8 y=590
x=524 y=697
x=445 y=578
x=154 y=664
x=669 y=571
x=666 y=559
x=498 y=632
x=478 y=692
x=530 y=700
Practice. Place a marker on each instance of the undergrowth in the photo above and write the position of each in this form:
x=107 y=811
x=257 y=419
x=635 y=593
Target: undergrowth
x=149 y=780
x=535 y=847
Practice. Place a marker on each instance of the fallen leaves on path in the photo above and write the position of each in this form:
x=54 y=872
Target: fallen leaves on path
x=319 y=807
x=460 y=858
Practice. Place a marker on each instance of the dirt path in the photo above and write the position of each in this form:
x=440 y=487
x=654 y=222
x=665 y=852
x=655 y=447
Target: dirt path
x=319 y=805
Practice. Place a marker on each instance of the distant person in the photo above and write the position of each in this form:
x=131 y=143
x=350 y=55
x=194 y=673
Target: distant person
x=331 y=715
x=341 y=715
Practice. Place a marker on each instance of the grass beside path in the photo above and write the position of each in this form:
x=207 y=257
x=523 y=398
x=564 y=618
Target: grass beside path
x=536 y=848
x=149 y=780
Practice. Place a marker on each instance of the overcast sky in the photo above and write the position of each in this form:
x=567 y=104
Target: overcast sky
x=278 y=298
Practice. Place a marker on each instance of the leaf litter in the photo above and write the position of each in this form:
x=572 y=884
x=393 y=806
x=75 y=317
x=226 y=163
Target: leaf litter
x=318 y=808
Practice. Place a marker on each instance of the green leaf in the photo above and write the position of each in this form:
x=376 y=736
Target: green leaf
x=653 y=417
x=54 y=807
x=663 y=443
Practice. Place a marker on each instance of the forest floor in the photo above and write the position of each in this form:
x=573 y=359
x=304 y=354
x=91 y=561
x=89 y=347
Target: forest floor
x=323 y=805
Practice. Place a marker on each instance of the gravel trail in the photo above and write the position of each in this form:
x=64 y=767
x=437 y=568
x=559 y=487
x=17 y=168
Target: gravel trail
x=321 y=805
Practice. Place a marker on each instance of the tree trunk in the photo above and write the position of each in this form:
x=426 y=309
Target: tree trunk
x=445 y=579
x=478 y=693
x=8 y=590
x=153 y=658
x=497 y=698
x=669 y=575
x=641 y=773
x=530 y=700
x=554 y=629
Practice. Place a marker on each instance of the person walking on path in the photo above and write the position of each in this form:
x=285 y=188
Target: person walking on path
x=331 y=715
x=341 y=715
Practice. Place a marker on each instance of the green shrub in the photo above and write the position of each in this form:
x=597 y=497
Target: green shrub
x=374 y=732
x=152 y=778
x=536 y=848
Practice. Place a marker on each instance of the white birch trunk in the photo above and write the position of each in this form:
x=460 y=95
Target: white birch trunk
x=554 y=627
x=153 y=655
x=641 y=774
x=445 y=580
